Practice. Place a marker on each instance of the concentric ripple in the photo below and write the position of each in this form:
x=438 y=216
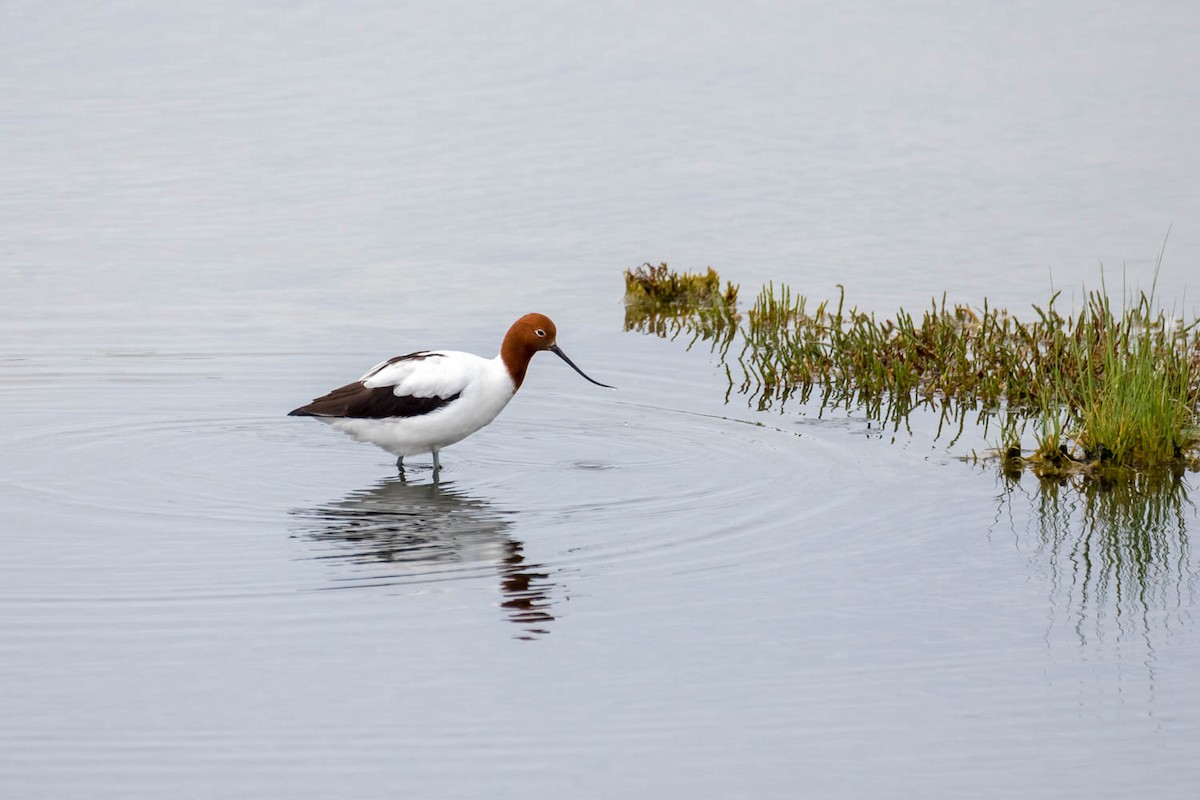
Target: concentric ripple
x=633 y=486
x=541 y=502
x=190 y=496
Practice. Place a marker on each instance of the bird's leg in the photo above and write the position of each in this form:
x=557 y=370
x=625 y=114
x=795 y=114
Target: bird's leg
x=400 y=464
x=437 y=466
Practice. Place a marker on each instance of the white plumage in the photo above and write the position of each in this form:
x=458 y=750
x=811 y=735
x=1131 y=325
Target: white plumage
x=483 y=386
x=427 y=400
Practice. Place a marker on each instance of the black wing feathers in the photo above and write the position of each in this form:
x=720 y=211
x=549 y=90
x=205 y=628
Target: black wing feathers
x=357 y=401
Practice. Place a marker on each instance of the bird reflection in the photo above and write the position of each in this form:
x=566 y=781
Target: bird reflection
x=397 y=532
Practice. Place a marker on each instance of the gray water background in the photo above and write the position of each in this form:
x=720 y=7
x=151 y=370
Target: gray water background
x=209 y=215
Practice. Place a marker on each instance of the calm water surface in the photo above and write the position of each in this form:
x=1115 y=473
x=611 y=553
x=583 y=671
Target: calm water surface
x=209 y=216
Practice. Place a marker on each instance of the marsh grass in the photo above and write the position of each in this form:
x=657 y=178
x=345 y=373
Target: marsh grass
x=1096 y=389
x=665 y=303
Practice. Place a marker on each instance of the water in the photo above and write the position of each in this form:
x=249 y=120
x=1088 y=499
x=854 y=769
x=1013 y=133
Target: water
x=210 y=215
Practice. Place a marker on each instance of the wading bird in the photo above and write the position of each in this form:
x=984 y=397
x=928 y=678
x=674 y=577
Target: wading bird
x=430 y=399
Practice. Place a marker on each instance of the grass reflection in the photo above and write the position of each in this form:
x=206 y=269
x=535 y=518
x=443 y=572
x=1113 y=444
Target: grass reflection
x=1118 y=548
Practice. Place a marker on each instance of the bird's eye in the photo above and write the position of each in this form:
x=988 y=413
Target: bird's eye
x=541 y=333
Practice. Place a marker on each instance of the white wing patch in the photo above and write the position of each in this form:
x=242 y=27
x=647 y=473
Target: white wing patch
x=429 y=373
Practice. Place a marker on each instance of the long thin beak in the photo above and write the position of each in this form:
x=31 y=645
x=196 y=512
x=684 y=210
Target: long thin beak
x=555 y=349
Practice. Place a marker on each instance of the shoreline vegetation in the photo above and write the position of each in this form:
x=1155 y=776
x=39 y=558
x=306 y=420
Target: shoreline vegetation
x=1104 y=392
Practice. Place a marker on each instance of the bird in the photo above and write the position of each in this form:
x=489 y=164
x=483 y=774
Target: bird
x=426 y=400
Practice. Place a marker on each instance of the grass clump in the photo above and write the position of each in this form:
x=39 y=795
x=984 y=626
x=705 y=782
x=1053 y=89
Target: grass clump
x=1139 y=405
x=657 y=286
x=1096 y=388
x=666 y=303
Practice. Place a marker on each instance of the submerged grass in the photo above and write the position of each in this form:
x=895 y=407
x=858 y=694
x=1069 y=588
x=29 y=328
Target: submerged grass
x=1097 y=389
